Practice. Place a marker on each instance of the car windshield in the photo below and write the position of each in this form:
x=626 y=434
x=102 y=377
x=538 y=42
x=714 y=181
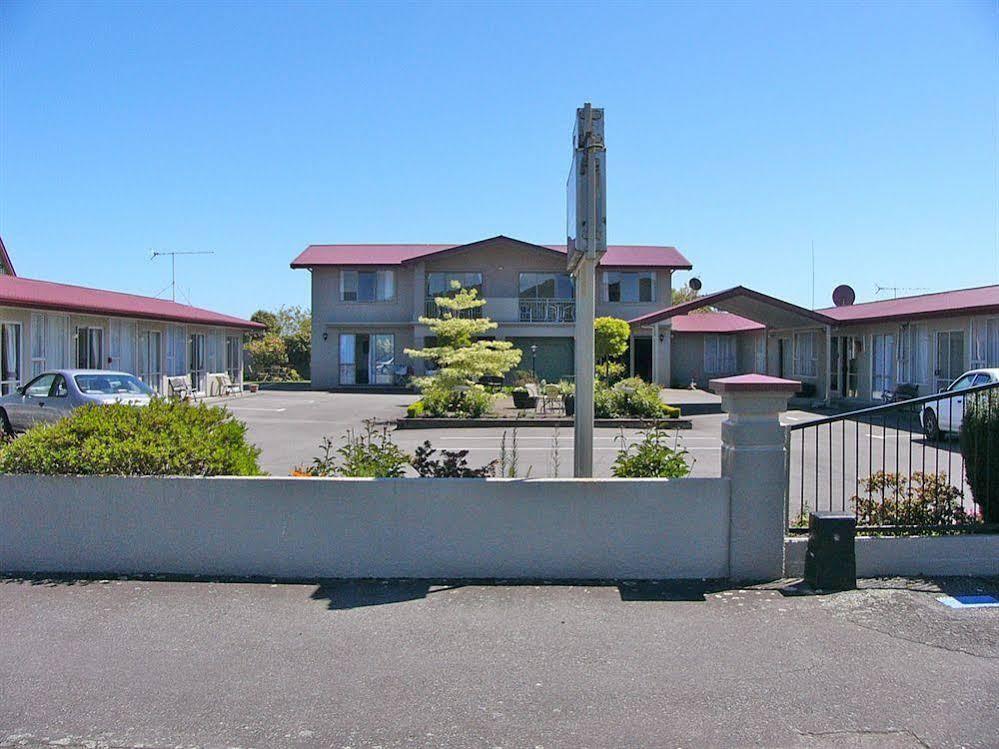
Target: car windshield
x=111 y=384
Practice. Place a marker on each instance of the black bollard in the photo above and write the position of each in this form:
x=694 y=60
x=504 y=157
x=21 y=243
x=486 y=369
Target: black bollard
x=831 y=557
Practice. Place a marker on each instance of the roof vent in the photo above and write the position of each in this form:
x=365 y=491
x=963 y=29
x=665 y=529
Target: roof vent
x=844 y=296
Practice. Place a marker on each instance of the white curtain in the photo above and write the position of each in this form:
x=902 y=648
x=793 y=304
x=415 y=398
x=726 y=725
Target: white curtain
x=56 y=341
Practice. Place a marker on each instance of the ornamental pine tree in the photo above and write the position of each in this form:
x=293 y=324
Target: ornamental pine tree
x=460 y=356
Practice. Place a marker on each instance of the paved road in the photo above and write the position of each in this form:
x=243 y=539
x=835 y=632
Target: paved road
x=407 y=664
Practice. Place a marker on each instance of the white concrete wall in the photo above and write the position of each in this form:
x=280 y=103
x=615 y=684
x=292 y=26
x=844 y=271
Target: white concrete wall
x=287 y=528
x=972 y=554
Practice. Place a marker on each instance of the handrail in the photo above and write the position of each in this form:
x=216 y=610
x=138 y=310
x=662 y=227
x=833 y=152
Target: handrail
x=898 y=405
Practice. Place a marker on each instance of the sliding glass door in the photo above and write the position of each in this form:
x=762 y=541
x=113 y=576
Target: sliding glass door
x=950 y=358
x=367 y=359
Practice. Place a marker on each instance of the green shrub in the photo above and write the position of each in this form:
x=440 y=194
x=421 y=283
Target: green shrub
x=980 y=448
x=371 y=454
x=165 y=438
x=652 y=457
x=923 y=499
x=469 y=402
x=631 y=398
x=414 y=410
x=521 y=377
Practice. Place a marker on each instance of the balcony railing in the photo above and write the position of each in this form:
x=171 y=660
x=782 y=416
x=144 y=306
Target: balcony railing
x=432 y=309
x=547 y=310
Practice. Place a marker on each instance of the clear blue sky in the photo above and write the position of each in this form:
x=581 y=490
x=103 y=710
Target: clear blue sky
x=738 y=132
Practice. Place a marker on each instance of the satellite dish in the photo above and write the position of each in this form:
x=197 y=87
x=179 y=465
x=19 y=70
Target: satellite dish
x=694 y=283
x=844 y=296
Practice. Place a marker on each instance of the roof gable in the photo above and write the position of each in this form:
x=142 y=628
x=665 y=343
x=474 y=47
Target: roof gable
x=6 y=266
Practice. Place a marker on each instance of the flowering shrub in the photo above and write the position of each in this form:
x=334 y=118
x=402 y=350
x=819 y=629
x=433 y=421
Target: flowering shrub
x=922 y=499
x=631 y=398
x=453 y=466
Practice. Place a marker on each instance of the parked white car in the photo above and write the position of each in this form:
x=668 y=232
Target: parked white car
x=944 y=416
x=52 y=395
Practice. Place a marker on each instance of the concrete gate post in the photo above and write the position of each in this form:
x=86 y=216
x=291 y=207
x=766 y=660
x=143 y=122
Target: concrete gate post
x=753 y=459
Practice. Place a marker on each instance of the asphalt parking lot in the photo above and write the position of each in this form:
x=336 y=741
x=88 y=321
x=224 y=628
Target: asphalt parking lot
x=288 y=427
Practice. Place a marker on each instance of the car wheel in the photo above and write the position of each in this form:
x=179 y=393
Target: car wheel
x=6 y=429
x=931 y=427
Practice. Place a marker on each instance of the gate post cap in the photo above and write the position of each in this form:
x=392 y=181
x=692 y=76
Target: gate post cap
x=754 y=383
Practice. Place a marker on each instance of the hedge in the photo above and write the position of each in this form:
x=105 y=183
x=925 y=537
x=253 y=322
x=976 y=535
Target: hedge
x=165 y=438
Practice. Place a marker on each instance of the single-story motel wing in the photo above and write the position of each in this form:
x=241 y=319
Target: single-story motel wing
x=46 y=325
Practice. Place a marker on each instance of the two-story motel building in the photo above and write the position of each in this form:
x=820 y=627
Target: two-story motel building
x=367 y=301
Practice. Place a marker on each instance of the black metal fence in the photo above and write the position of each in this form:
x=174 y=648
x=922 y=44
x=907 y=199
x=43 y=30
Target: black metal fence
x=899 y=467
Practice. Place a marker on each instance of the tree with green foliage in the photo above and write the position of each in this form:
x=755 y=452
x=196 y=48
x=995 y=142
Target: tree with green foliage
x=268 y=320
x=461 y=357
x=267 y=359
x=687 y=294
x=611 y=336
x=292 y=325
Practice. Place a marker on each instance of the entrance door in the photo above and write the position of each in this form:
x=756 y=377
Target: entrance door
x=950 y=358
x=643 y=358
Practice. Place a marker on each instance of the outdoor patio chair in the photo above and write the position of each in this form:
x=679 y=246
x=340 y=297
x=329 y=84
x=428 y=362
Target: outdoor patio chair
x=227 y=386
x=180 y=387
x=553 y=398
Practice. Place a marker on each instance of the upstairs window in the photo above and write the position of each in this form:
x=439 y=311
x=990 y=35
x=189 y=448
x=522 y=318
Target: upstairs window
x=546 y=286
x=443 y=283
x=367 y=285
x=619 y=286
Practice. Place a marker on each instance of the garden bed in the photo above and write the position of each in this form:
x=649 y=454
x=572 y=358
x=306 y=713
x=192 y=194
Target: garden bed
x=537 y=421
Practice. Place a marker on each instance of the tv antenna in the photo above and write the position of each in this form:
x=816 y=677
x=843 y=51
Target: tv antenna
x=173 y=265
x=878 y=288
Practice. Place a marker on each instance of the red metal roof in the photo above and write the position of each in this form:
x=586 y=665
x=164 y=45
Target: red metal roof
x=26 y=292
x=5 y=259
x=618 y=256
x=714 y=322
x=980 y=300
x=719 y=297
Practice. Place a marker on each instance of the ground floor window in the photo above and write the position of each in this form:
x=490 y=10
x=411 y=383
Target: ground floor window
x=57 y=343
x=915 y=355
x=883 y=365
x=805 y=355
x=233 y=348
x=719 y=354
x=985 y=343
x=89 y=348
x=950 y=357
x=10 y=357
x=367 y=359
x=150 y=369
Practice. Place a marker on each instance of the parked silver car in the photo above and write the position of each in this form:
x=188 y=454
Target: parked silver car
x=52 y=395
